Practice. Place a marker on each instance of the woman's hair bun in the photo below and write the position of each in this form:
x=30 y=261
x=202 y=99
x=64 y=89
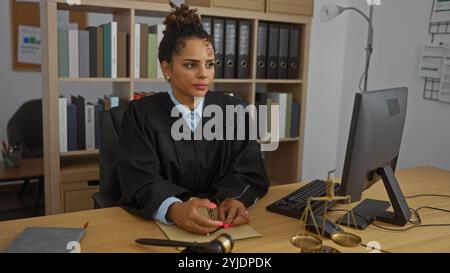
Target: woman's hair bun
x=182 y=18
x=180 y=24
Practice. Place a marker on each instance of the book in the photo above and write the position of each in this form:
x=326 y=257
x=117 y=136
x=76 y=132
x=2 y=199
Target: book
x=47 y=240
x=62 y=124
x=73 y=53
x=83 y=54
x=137 y=51
x=63 y=53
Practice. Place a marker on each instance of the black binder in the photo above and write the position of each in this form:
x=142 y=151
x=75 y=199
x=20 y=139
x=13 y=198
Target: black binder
x=272 y=52
x=243 y=48
x=261 y=51
x=81 y=129
x=218 y=35
x=207 y=22
x=294 y=37
x=230 y=49
x=283 y=50
x=92 y=51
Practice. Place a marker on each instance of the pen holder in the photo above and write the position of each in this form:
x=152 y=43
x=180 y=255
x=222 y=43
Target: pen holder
x=12 y=159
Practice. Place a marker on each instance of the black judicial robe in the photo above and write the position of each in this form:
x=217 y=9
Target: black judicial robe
x=152 y=166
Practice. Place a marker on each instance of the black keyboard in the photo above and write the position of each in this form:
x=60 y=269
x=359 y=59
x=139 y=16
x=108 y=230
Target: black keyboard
x=294 y=204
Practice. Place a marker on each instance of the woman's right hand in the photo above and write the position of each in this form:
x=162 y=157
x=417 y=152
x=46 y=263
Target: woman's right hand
x=187 y=216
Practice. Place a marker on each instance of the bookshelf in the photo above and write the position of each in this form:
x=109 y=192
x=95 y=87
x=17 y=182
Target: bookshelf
x=283 y=165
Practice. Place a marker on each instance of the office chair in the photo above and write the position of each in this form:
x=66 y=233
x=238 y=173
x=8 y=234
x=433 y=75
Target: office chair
x=25 y=128
x=109 y=194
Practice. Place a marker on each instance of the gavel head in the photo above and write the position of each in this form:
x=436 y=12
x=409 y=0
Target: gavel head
x=221 y=244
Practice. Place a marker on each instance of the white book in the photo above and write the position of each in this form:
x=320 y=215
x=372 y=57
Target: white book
x=137 y=50
x=62 y=124
x=160 y=35
x=158 y=29
x=113 y=49
x=73 y=53
x=90 y=126
x=281 y=99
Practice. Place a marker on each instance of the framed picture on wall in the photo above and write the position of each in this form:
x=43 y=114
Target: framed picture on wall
x=25 y=33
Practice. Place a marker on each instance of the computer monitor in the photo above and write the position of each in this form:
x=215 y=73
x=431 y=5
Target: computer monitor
x=372 y=150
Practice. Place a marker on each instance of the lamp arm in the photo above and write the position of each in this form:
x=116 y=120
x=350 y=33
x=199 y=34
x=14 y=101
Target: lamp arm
x=358 y=11
x=369 y=48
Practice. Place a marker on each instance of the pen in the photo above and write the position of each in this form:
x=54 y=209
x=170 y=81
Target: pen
x=5 y=147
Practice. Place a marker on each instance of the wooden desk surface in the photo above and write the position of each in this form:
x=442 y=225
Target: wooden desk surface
x=28 y=168
x=114 y=230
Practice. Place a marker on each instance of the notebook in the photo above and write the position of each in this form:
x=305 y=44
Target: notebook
x=47 y=240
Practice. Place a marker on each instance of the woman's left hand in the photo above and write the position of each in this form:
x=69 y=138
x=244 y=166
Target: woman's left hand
x=233 y=212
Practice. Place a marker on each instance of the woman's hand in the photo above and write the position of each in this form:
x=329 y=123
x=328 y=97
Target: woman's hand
x=187 y=216
x=233 y=212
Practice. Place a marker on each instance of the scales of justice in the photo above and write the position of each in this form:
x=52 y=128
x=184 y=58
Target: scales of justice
x=310 y=242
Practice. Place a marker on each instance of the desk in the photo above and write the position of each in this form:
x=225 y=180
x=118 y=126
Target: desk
x=29 y=168
x=114 y=230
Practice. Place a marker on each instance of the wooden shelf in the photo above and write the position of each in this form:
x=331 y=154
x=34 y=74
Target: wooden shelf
x=79 y=153
x=289 y=139
x=233 y=81
x=283 y=165
x=149 y=80
x=276 y=81
x=94 y=79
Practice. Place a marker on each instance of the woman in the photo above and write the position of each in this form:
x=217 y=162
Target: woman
x=158 y=174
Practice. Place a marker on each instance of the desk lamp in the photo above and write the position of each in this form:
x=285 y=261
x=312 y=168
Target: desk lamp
x=329 y=12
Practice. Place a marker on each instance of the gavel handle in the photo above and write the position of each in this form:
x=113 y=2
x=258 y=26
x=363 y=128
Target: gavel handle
x=161 y=242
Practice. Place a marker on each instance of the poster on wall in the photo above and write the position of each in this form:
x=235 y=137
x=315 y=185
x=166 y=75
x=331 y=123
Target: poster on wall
x=441 y=11
x=29 y=45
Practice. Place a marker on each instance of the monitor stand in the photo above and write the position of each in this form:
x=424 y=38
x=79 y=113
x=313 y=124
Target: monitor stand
x=370 y=210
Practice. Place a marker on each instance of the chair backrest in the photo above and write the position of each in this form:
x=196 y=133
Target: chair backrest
x=110 y=121
x=25 y=128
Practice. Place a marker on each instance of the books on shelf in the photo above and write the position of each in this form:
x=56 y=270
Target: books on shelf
x=289 y=116
x=146 y=42
x=157 y=32
x=100 y=51
x=79 y=127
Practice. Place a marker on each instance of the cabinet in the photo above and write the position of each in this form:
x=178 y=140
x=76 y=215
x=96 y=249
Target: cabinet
x=79 y=181
x=66 y=182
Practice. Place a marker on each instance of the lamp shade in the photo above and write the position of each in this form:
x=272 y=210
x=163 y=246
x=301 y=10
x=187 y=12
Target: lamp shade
x=328 y=12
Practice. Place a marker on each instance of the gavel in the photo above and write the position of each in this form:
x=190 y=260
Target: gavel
x=221 y=244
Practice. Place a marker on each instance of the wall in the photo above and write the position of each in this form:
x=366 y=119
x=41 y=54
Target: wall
x=325 y=81
x=401 y=27
x=15 y=87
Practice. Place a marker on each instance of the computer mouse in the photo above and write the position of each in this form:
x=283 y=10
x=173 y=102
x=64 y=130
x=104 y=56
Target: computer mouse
x=329 y=229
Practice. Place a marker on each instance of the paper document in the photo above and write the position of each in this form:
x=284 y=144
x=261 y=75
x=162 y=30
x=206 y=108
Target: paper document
x=444 y=90
x=29 y=46
x=441 y=11
x=175 y=233
x=431 y=59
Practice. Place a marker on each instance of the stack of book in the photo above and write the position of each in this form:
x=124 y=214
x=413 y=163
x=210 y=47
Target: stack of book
x=289 y=114
x=146 y=43
x=95 y=52
x=79 y=127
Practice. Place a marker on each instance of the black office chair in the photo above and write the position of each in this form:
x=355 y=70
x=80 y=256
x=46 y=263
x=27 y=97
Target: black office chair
x=110 y=193
x=25 y=128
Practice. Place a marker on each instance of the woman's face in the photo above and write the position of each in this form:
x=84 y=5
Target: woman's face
x=191 y=71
